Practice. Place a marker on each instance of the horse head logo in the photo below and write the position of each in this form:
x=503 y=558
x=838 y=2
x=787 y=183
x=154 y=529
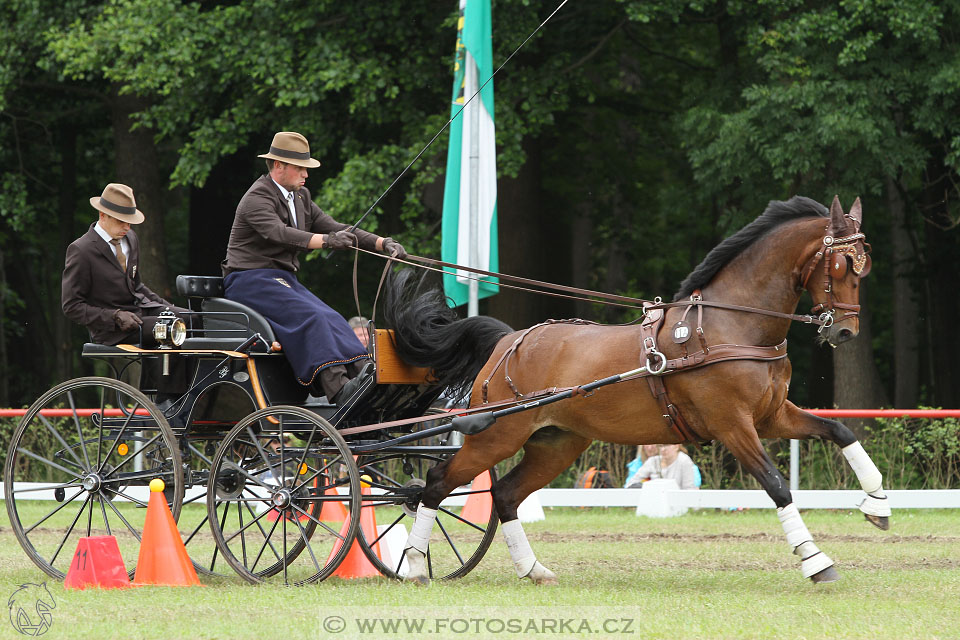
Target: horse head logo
x=30 y=608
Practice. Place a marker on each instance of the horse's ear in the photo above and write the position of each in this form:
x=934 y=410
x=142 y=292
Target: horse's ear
x=837 y=221
x=856 y=213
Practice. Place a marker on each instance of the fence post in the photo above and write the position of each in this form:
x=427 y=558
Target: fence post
x=794 y=465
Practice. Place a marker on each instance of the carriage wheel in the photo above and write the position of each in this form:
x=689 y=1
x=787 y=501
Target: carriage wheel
x=274 y=511
x=457 y=543
x=79 y=465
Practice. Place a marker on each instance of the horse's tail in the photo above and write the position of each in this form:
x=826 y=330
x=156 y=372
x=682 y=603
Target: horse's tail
x=428 y=333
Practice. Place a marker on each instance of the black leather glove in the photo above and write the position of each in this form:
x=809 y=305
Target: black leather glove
x=340 y=240
x=126 y=320
x=393 y=248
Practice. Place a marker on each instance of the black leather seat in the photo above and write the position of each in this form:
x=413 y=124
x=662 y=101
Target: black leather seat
x=225 y=323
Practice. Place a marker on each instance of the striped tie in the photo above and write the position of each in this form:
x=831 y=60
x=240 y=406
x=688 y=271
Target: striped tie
x=122 y=259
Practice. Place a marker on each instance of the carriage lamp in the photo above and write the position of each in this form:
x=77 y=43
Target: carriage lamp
x=169 y=331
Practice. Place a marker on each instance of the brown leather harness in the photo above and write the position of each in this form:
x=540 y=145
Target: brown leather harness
x=834 y=253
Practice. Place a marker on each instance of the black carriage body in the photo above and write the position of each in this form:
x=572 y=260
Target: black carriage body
x=216 y=439
x=224 y=385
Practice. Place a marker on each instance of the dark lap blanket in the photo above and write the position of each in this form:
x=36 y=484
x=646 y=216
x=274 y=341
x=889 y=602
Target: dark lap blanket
x=313 y=335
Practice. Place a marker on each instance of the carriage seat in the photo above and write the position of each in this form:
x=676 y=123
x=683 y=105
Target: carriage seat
x=226 y=323
x=93 y=350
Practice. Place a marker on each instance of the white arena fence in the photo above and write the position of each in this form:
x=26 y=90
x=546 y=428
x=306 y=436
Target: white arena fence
x=663 y=498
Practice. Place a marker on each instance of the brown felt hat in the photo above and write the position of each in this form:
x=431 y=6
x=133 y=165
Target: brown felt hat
x=117 y=202
x=291 y=147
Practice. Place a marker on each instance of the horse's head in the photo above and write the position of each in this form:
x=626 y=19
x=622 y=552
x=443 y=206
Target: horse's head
x=832 y=275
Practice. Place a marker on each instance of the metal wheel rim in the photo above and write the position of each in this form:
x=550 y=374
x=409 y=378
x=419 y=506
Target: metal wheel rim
x=251 y=534
x=92 y=455
x=445 y=516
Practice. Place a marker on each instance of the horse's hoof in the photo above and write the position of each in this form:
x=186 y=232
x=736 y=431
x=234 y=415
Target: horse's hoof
x=880 y=522
x=827 y=575
x=540 y=575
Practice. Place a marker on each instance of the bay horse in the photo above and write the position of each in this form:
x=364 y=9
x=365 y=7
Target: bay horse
x=743 y=293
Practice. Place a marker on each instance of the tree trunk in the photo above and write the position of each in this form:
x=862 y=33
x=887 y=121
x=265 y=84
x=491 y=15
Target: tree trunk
x=62 y=327
x=906 y=324
x=856 y=381
x=212 y=208
x=138 y=166
x=531 y=243
x=942 y=278
x=581 y=255
x=4 y=364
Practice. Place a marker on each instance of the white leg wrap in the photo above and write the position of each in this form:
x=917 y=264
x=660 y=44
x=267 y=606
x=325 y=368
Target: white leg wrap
x=793 y=526
x=520 y=551
x=867 y=473
x=813 y=561
x=416 y=565
x=419 y=537
x=874 y=505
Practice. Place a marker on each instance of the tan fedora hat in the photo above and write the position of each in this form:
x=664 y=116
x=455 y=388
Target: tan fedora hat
x=117 y=201
x=291 y=147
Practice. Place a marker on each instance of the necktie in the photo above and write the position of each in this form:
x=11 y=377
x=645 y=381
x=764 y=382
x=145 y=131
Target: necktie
x=293 y=209
x=122 y=259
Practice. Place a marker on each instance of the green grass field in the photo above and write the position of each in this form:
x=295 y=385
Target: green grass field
x=707 y=574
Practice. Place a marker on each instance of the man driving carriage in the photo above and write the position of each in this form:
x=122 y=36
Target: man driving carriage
x=275 y=220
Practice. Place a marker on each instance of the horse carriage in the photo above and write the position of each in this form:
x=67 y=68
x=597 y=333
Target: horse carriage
x=261 y=477
x=548 y=390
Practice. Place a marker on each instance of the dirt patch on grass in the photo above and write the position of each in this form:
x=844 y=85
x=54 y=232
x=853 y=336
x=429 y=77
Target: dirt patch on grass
x=731 y=537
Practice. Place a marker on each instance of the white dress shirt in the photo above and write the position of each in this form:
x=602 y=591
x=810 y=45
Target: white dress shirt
x=288 y=196
x=106 y=238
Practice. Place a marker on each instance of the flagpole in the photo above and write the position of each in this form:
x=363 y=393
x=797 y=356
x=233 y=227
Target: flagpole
x=473 y=290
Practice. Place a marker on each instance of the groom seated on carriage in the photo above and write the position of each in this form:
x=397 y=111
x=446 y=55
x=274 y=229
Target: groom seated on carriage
x=275 y=220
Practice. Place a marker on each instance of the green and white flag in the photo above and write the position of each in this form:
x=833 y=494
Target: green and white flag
x=471 y=183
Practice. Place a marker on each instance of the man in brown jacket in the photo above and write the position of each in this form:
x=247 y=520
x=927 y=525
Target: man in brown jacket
x=275 y=220
x=102 y=287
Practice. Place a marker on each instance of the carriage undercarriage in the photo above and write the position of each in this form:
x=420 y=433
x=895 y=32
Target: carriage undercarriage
x=258 y=474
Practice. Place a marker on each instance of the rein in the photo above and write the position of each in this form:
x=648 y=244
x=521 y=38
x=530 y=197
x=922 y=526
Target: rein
x=586 y=295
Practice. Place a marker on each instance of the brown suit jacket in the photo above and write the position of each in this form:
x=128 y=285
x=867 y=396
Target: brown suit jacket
x=94 y=287
x=263 y=237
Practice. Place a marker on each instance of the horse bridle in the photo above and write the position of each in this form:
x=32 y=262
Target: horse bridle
x=837 y=254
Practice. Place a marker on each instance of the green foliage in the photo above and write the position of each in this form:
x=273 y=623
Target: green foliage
x=647 y=131
x=14 y=203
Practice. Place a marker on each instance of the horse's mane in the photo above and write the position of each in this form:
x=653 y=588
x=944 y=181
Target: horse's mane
x=776 y=213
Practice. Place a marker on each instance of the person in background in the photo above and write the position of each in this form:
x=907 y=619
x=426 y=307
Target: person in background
x=644 y=451
x=671 y=462
x=359 y=325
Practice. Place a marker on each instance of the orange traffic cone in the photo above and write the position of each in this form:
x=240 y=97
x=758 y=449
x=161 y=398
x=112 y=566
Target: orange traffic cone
x=333 y=510
x=163 y=558
x=97 y=563
x=356 y=564
x=479 y=505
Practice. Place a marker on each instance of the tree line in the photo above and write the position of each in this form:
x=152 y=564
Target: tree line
x=632 y=137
